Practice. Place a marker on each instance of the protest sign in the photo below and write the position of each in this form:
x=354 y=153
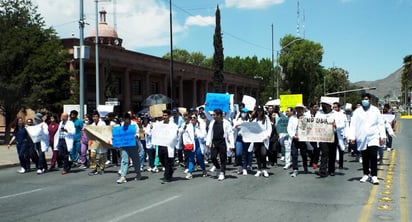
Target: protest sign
x=315 y=129
x=182 y=110
x=35 y=133
x=217 y=101
x=124 y=136
x=282 y=124
x=249 y=102
x=157 y=110
x=252 y=132
x=290 y=100
x=99 y=136
x=388 y=118
x=105 y=109
x=164 y=134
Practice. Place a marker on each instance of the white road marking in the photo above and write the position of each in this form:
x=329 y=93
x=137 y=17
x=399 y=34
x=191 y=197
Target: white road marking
x=19 y=194
x=144 y=209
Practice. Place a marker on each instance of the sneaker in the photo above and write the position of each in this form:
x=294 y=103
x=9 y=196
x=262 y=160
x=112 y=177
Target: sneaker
x=364 y=178
x=239 y=170
x=182 y=164
x=64 y=172
x=375 y=180
x=186 y=171
x=121 y=180
x=244 y=172
x=258 y=173
x=119 y=172
x=22 y=170
x=155 y=170
x=108 y=162
x=282 y=158
x=101 y=172
x=221 y=177
x=149 y=169
x=360 y=159
x=388 y=149
x=92 y=173
x=204 y=174
x=295 y=173
x=212 y=169
x=40 y=171
x=287 y=166
x=265 y=173
x=141 y=169
x=83 y=166
x=189 y=176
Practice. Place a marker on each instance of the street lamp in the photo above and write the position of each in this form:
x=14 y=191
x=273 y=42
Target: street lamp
x=278 y=65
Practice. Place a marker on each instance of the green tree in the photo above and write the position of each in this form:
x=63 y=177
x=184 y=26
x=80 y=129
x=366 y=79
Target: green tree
x=406 y=78
x=300 y=60
x=218 y=57
x=32 y=62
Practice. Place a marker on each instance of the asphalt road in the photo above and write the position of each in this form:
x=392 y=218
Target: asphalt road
x=79 y=197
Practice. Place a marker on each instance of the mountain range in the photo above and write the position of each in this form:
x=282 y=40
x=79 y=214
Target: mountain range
x=389 y=86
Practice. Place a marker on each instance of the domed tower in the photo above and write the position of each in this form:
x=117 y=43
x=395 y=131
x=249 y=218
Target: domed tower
x=107 y=34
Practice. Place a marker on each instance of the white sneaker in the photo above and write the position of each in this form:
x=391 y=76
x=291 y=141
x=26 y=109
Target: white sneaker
x=294 y=174
x=287 y=166
x=221 y=177
x=388 y=149
x=155 y=170
x=265 y=173
x=119 y=172
x=22 y=170
x=186 y=170
x=360 y=159
x=39 y=171
x=121 y=180
x=244 y=172
x=212 y=169
x=149 y=169
x=364 y=178
x=258 y=173
x=375 y=180
x=107 y=162
x=189 y=176
x=282 y=158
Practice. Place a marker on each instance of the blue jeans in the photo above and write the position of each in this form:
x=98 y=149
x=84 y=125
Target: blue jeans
x=42 y=157
x=199 y=157
x=133 y=153
x=242 y=156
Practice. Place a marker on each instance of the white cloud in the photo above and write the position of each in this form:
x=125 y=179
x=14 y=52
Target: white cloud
x=139 y=23
x=200 y=21
x=251 y=4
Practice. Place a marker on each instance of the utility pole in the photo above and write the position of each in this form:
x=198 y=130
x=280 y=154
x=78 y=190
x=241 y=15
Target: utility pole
x=81 y=65
x=272 y=68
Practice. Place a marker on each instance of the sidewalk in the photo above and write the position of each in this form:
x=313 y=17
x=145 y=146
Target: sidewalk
x=9 y=158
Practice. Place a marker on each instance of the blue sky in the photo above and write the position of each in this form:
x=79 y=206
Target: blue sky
x=368 y=38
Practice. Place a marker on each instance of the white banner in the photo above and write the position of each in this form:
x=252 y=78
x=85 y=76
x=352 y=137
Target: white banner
x=164 y=134
x=35 y=133
x=314 y=129
x=252 y=132
x=388 y=118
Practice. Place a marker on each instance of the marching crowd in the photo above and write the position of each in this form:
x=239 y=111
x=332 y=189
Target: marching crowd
x=217 y=137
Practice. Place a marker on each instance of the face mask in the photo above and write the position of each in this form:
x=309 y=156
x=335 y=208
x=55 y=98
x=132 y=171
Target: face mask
x=243 y=115
x=365 y=103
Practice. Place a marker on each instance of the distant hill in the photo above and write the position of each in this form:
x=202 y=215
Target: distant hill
x=390 y=85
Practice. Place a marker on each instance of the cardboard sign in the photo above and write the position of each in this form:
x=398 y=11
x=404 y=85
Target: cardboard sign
x=99 y=136
x=124 y=136
x=217 y=101
x=290 y=101
x=315 y=129
x=157 y=110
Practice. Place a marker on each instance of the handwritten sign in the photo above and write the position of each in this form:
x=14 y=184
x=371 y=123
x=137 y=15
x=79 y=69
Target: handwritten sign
x=124 y=136
x=282 y=124
x=99 y=136
x=249 y=102
x=252 y=132
x=35 y=133
x=314 y=129
x=217 y=101
x=164 y=134
x=157 y=110
x=290 y=101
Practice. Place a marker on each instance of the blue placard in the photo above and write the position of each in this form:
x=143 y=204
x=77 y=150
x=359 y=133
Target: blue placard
x=124 y=136
x=282 y=124
x=217 y=101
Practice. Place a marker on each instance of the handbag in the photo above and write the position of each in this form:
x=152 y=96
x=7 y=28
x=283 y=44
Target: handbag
x=188 y=147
